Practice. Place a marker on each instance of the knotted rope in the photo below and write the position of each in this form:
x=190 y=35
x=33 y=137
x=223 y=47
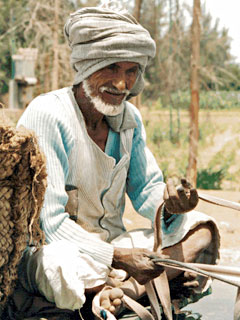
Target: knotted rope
x=22 y=188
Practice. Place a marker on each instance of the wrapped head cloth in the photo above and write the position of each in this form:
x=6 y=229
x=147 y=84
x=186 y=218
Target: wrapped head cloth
x=99 y=37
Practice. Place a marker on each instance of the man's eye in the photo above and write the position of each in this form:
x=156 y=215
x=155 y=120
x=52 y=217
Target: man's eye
x=112 y=67
x=132 y=70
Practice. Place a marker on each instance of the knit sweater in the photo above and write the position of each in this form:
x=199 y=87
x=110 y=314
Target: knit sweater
x=58 y=123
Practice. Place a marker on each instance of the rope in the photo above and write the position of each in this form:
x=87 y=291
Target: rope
x=22 y=188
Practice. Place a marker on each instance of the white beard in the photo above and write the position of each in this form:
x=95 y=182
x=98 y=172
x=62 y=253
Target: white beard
x=100 y=105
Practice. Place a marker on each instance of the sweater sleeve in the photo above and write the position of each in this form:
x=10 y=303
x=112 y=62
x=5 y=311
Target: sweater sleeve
x=145 y=180
x=47 y=118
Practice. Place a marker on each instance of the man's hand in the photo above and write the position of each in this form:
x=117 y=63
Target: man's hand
x=183 y=285
x=181 y=199
x=137 y=263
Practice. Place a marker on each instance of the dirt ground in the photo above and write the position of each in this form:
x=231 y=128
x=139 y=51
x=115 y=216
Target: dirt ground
x=228 y=221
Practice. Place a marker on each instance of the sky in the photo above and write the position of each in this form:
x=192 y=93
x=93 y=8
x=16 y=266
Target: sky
x=228 y=12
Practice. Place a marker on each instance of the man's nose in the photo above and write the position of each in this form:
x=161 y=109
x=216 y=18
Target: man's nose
x=119 y=83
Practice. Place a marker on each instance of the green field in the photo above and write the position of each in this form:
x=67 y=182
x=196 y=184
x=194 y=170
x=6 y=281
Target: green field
x=218 y=148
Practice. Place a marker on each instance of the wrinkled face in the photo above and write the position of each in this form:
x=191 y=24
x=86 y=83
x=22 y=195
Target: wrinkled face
x=109 y=87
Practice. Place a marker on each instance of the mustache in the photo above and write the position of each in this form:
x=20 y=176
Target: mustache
x=114 y=91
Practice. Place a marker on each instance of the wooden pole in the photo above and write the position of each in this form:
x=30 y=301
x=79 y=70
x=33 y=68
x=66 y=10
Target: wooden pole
x=137 y=10
x=137 y=15
x=55 y=70
x=194 y=106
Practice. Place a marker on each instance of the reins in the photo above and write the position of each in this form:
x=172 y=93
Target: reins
x=196 y=268
x=163 y=293
x=158 y=289
x=219 y=201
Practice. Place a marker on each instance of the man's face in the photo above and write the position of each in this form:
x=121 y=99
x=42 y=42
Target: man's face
x=109 y=87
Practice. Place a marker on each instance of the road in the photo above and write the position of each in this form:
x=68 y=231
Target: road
x=217 y=306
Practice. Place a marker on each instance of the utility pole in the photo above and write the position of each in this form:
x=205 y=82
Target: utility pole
x=194 y=106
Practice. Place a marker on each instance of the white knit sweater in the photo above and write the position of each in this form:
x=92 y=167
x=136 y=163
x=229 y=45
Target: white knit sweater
x=101 y=178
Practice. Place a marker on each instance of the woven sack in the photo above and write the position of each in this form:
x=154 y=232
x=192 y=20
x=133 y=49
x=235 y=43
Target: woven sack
x=22 y=188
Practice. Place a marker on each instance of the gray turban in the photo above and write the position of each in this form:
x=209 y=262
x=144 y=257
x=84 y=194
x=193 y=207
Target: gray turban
x=99 y=37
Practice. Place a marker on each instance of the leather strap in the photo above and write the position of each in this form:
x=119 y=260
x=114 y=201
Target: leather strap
x=159 y=286
x=158 y=289
x=219 y=201
x=163 y=291
x=153 y=300
x=217 y=272
x=137 y=308
x=161 y=283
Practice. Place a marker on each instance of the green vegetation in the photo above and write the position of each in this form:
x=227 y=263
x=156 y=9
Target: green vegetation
x=209 y=100
x=31 y=23
x=218 y=148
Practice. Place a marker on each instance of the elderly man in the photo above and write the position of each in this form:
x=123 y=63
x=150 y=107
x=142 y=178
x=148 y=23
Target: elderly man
x=94 y=142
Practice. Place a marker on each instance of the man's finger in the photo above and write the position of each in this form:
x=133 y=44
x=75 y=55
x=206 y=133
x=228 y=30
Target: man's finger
x=186 y=184
x=165 y=194
x=158 y=255
x=193 y=200
x=190 y=275
x=191 y=284
x=183 y=198
x=172 y=191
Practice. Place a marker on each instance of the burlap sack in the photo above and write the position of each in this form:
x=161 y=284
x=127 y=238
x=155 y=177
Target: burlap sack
x=22 y=188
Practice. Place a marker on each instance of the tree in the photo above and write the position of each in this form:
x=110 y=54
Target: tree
x=194 y=107
x=215 y=54
x=55 y=73
x=37 y=24
x=137 y=9
x=170 y=70
x=43 y=29
x=11 y=37
x=137 y=14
